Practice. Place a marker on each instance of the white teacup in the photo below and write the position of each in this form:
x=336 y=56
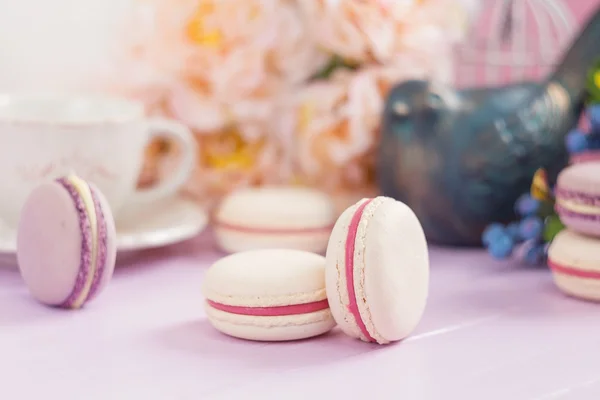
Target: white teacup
x=102 y=139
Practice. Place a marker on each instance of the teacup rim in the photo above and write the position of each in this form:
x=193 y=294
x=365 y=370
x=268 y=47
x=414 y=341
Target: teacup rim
x=128 y=109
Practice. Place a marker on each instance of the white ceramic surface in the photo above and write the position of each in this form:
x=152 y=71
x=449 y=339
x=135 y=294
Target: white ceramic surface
x=63 y=45
x=101 y=139
x=161 y=224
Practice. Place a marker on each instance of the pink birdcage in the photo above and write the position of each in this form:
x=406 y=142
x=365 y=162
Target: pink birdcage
x=515 y=40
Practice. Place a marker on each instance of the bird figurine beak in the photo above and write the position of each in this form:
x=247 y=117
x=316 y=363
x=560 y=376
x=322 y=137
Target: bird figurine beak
x=442 y=96
x=434 y=101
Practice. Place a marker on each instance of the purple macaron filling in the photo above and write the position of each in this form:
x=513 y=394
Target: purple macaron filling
x=85 y=267
x=102 y=246
x=579 y=197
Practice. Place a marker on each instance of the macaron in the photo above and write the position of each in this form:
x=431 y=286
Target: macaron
x=586 y=156
x=66 y=247
x=574 y=260
x=274 y=217
x=578 y=197
x=268 y=295
x=377 y=273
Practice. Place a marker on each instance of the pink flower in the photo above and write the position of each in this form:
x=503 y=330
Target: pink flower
x=192 y=102
x=238 y=48
x=229 y=160
x=237 y=72
x=331 y=127
x=383 y=31
x=236 y=141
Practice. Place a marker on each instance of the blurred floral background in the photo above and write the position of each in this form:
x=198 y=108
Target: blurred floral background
x=280 y=90
x=274 y=90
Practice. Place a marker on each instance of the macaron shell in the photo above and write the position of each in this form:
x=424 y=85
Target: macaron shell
x=263 y=278
x=391 y=271
x=49 y=235
x=584 y=178
x=587 y=156
x=277 y=207
x=580 y=222
x=272 y=329
x=578 y=252
x=111 y=242
x=396 y=276
x=576 y=186
x=578 y=287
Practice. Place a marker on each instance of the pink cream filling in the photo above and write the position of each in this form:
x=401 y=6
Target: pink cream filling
x=276 y=311
x=578 y=273
x=350 y=247
x=273 y=231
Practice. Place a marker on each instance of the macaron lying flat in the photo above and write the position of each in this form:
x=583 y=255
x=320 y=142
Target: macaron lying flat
x=578 y=197
x=66 y=247
x=274 y=217
x=268 y=295
x=574 y=260
x=377 y=274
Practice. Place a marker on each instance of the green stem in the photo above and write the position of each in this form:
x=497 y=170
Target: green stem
x=334 y=64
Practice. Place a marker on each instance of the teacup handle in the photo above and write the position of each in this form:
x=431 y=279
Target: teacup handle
x=162 y=127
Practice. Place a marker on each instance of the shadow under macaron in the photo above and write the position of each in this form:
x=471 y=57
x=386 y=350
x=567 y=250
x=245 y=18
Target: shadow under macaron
x=19 y=308
x=201 y=339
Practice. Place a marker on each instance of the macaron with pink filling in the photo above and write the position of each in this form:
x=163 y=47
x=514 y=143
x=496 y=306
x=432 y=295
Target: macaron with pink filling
x=66 y=242
x=377 y=274
x=267 y=217
x=268 y=295
x=574 y=260
x=578 y=197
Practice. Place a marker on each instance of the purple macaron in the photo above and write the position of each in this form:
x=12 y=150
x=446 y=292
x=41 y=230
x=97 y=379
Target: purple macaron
x=66 y=242
x=578 y=198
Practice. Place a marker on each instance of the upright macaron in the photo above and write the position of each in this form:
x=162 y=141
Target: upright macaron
x=377 y=274
x=574 y=260
x=66 y=242
x=268 y=295
x=274 y=217
x=578 y=197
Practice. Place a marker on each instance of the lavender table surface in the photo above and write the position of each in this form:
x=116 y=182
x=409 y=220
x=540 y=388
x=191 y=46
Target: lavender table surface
x=491 y=331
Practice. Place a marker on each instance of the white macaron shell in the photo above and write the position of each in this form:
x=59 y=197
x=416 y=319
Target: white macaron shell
x=281 y=328
x=575 y=250
x=572 y=250
x=395 y=282
x=397 y=271
x=277 y=207
x=266 y=278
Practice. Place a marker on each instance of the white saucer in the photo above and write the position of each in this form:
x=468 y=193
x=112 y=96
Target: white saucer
x=160 y=224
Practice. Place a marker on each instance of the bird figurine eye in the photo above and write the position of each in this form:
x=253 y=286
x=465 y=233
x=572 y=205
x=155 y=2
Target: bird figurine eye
x=401 y=109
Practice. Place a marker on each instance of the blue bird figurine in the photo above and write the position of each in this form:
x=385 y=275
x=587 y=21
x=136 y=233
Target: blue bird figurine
x=460 y=159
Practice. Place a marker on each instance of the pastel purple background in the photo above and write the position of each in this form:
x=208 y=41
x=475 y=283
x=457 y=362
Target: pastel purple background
x=491 y=330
